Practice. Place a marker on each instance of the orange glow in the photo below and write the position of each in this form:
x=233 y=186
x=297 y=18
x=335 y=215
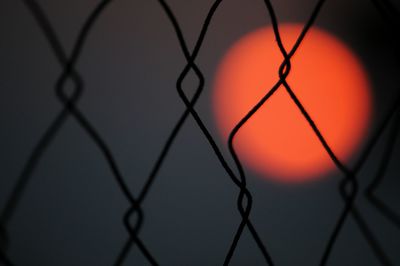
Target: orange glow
x=277 y=141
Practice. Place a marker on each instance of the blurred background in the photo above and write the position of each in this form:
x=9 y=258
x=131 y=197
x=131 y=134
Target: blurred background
x=71 y=212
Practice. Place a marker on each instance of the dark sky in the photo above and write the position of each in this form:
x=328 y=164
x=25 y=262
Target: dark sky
x=71 y=211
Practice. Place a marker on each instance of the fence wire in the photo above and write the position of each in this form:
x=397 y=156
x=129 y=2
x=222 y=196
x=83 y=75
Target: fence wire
x=348 y=185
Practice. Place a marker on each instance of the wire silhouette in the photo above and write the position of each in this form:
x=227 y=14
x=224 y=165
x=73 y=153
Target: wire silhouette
x=390 y=13
x=182 y=119
x=349 y=180
x=350 y=176
x=285 y=66
x=373 y=186
x=348 y=186
x=69 y=108
x=190 y=109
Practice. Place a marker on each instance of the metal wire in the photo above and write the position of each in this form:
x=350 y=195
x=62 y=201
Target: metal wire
x=348 y=186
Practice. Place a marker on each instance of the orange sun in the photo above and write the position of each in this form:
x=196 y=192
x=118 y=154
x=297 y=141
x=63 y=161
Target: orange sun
x=277 y=141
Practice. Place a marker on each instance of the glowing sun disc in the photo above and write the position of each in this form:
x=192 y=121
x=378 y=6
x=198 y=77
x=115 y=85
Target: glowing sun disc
x=277 y=141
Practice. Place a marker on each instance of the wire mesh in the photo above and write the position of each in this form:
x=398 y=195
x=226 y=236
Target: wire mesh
x=348 y=186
